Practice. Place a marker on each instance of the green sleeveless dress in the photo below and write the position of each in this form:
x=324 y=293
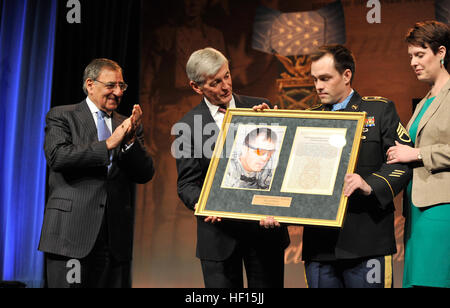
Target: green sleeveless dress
x=427 y=237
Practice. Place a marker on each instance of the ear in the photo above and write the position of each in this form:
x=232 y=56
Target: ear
x=347 y=75
x=89 y=83
x=196 y=87
x=442 y=51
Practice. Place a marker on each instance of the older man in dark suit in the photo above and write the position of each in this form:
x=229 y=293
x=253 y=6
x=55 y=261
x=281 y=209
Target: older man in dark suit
x=94 y=155
x=222 y=245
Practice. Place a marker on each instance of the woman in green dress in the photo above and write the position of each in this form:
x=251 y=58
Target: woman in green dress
x=427 y=198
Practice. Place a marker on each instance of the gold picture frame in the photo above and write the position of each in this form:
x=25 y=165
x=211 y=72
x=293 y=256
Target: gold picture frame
x=282 y=163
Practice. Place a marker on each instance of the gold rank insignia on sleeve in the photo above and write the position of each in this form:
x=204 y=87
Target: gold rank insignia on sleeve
x=397 y=173
x=403 y=133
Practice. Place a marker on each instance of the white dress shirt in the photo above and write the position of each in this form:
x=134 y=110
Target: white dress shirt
x=108 y=120
x=94 y=110
x=216 y=114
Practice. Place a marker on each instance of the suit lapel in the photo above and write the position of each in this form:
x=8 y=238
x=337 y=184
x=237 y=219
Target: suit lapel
x=206 y=114
x=416 y=112
x=207 y=118
x=354 y=105
x=238 y=101
x=87 y=121
x=241 y=102
x=434 y=106
x=115 y=120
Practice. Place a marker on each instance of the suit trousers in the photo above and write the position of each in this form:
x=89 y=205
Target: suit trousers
x=99 y=269
x=264 y=269
x=374 y=272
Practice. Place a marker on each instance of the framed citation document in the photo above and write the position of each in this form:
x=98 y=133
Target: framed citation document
x=282 y=163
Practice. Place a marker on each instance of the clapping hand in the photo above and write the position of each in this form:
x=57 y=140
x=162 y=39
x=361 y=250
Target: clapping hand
x=135 y=122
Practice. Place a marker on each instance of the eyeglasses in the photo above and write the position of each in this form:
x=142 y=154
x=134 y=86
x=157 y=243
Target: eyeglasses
x=260 y=151
x=112 y=85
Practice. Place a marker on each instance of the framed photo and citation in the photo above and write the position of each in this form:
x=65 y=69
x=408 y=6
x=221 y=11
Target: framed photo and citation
x=282 y=163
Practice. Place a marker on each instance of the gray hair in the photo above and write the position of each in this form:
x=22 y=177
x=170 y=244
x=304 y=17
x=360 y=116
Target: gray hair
x=93 y=70
x=204 y=63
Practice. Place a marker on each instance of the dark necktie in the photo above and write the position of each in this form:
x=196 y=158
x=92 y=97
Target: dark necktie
x=223 y=108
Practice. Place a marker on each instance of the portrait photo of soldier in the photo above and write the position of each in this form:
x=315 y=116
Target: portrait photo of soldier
x=253 y=161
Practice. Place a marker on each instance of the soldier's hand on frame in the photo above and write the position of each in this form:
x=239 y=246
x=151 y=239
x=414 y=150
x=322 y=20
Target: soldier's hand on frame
x=353 y=182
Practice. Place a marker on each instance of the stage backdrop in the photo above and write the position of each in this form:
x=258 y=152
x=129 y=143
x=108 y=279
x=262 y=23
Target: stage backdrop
x=165 y=236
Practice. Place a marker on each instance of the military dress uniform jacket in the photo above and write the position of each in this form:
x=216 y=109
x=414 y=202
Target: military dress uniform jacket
x=368 y=229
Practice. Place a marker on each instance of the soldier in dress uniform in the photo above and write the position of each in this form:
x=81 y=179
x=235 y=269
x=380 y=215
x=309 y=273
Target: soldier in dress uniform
x=360 y=253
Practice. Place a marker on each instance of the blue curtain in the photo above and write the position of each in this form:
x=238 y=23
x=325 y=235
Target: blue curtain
x=27 y=32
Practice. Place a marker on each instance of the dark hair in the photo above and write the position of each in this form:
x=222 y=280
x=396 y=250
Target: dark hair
x=432 y=33
x=267 y=132
x=343 y=57
x=92 y=71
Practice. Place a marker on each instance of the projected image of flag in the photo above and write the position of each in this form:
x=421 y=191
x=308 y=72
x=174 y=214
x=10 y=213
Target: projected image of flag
x=298 y=33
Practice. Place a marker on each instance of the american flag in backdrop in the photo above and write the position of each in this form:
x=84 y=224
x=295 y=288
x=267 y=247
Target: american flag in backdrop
x=298 y=33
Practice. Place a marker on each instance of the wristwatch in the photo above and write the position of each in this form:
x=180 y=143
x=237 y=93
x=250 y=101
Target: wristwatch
x=419 y=157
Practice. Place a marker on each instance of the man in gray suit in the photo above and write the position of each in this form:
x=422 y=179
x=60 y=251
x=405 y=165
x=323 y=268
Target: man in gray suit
x=95 y=156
